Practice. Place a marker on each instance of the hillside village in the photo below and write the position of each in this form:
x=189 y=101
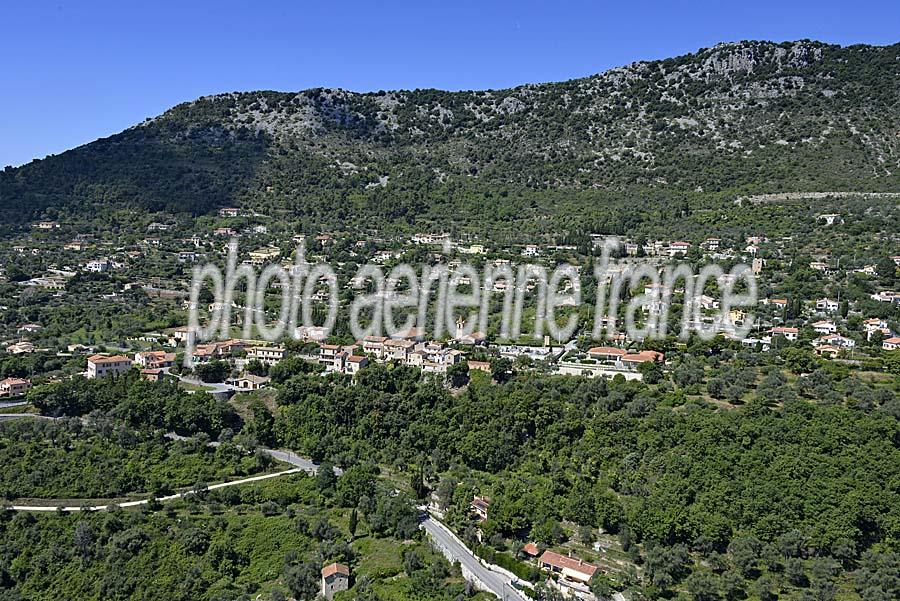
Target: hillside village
x=846 y=314
x=851 y=325
x=574 y=310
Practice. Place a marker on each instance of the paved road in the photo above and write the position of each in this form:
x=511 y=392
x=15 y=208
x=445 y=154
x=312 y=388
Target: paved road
x=498 y=583
x=6 y=416
x=301 y=464
x=215 y=388
x=7 y=404
x=162 y=499
x=307 y=465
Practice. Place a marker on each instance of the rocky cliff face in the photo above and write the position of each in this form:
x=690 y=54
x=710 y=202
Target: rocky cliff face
x=749 y=117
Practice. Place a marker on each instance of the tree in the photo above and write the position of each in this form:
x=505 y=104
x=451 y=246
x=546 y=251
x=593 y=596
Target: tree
x=417 y=482
x=501 y=369
x=732 y=585
x=214 y=371
x=83 y=537
x=302 y=580
x=352 y=524
x=744 y=552
x=256 y=367
x=799 y=361
x=395 y=516
x=892 y=362
x=795 y=573
x=458 y=374
x=703 y=586
x=545 y=592
x=262 y=424
x=886 y=270
x=766 y=588
x=356 y=482
x=879 y=576
x=325 y=477
x=666 y=566
x=445 y=490
x=651 y=371
x=792 y=543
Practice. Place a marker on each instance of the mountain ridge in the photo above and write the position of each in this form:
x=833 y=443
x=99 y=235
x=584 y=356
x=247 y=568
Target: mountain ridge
x=737 y=118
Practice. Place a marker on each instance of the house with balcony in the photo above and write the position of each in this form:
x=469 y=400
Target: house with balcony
x=268 y=355
x=154 y=359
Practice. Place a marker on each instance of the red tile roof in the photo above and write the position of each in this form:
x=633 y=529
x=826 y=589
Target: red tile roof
x=531 y=549
x=783 y=330
x=643 y=357
x=606 y=350
x=335 y=568
x=562 y=562
x=105 y=359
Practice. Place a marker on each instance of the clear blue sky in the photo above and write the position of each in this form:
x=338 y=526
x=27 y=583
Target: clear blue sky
x=76 y=71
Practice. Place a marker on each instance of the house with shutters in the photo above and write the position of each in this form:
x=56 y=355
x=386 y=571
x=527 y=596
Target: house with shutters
x=101 y=366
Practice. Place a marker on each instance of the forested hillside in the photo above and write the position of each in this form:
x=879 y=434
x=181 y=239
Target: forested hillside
x=733 y=119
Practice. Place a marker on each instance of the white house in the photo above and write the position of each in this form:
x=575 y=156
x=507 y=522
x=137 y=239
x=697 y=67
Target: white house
x=712 y=244
x=269 y=355
x=100 y=366
x=249 y=382
x=875 y=324
x=824 y=327
x=835 y=340
x=827 y=305
x=887 y=296
x=679 y=248
x=99 y=266
x=891 y=344
x=430 y=238
x=788 y=333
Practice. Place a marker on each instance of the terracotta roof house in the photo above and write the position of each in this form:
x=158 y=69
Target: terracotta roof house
x=531 y=550
x=249 y=382
x=154 y=359
x=484 y=366
x=606 y=353
x=568 y=567
x=335 y=577
x=14 y=386
x=355 y=363
x=100 y=366
x=788 y=333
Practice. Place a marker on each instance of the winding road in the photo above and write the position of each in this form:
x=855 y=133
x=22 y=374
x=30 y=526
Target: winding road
x=161 y=499
x=497 y=582
x=301 y=464
x=492 y=578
